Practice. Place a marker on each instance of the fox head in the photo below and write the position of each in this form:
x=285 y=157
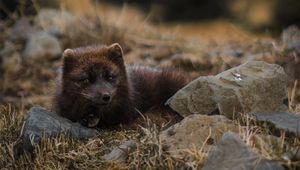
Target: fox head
x=94 y=73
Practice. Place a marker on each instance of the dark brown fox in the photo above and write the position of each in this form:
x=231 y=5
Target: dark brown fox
x=97 y=89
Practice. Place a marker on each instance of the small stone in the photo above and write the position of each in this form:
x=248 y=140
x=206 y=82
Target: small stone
x=55 y=32
x=40 y=123
x=120 y=154
x=287 y=121
x=22 y=29
x=55 y=21
x=291 y=38
x=234 y=52
x=232 y=153
x=194 y=130
x=42 y=45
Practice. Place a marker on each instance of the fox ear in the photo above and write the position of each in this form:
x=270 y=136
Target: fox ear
x=115 y=53
x=68 y=59
x=68 y=53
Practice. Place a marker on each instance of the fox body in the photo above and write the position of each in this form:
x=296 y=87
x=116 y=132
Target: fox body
x=97 y=89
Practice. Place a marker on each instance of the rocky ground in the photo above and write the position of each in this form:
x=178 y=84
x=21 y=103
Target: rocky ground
x=248 y=119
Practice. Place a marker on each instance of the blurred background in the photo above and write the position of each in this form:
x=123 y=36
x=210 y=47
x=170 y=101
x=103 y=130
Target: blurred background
x=258 y=15
x=202 y=37
x=255 y=15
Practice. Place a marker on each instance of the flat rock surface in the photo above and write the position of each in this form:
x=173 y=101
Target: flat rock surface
x=196 y=131
x=232 y=153
x=41 y=122
x=255 y=86
x=287 y=121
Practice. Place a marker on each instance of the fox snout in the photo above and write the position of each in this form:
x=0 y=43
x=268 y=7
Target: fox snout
x=104 y=97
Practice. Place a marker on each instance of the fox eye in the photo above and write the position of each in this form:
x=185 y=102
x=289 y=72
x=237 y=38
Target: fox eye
x=111 y=77
x=85 y=81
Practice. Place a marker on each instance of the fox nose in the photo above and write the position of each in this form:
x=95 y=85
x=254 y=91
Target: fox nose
x=106 y=97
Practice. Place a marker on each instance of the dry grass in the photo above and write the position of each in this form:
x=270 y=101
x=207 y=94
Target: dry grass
x=150 y=152
x=66 y=153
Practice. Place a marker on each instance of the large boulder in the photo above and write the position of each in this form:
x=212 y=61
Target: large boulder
x=255 y=86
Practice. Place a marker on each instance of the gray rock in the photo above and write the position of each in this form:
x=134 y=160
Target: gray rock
x=287 y=121
x=21 y=30
x=255 y=86
x=55 y=21
x=41 y=122
x=194 y=130
x=234 y=52
x=291 y=38
x=232 y=153
x=42 y=45
x=120 y=154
